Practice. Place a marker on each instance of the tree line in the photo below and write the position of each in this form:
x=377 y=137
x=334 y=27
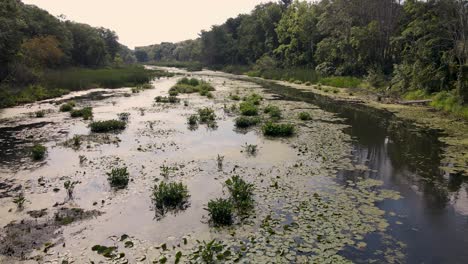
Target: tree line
x=395 y=45
x=32 y=40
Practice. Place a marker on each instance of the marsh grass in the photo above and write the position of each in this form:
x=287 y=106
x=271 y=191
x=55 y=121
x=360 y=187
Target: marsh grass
x=107 y=126
x=86 y=113
x=246 y=121
x=170 y=196
x=118 y=177
x=206 y=115
x=19 y=200
x=192 y=120
x=40 y=113
x=220 y=211
x=67 y=107
x=192 y=85
x=76 y=141
x=124 y=116
x=278 y=130
x=250 y=149
x=38 y=152
x=254 y=98
x=172 y=99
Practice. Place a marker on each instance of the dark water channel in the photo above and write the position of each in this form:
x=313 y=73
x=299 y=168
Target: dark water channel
x=432 y=217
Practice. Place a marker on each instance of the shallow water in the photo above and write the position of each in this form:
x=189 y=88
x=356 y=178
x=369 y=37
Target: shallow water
x=346 y=144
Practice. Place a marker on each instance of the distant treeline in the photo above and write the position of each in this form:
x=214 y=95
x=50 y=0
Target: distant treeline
x=398 y=46
x=33 y=41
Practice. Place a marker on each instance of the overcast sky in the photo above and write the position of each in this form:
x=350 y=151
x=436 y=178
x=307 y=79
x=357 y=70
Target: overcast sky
x=145 y=22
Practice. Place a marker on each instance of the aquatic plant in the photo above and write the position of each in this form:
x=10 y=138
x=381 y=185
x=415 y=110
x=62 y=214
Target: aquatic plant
x=40 y=113
x=304 y=116
x=250 y=149
x=187 y=86
x=70 y=187
x=76 y=140
x=211 y=252
x=220 y=211
x=246 y=121
x=248 y=108
x=118 y=177
x=206 y=115
x=38 y=152
x=107 y=126
x=254 y=98
x=277 y=130
x=171 y=99
x=123 y=116
x=234 y=97
x=273 y=111
x=192 y=120
x=170 y=196
x=86 y=113
x=67 y=107
x=220 y=160
x=241 y=193
x=19 y=200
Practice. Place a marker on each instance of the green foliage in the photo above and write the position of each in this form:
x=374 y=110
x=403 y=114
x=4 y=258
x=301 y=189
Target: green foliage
x=234 y=97
x=19 y=200
x=124 y=116
x=248 y=108
x=40 y=113
x=170 y=196
x=278 y=130
x=67 y=107
x=253 y=98
x=273 y=111
x=187 y=86
x=416 y=95
x=241 y=193
x=206 y=115
x=220 y=211
x=118 y=177
x=86 y=113
x=246 y=121
x=304 y=116
x=107 y=126
x=192 y=120
x=342 y=81
x=38 y=152
x=163 y=99
x=211 y=252
x=449 y=102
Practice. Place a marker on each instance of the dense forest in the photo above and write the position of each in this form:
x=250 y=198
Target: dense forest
x=409 y=47
x=42 y=56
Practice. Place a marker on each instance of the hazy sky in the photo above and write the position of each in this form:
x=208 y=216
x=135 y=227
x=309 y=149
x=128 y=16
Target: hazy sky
x=144 y=22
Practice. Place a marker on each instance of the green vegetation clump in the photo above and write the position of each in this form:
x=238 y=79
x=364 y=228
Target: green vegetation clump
x=246 y=121
x=273 y=111
x=206 y=115
x=172 y=99
x=67 y=107
x=248 y=108
x=187 y=86
x=304 y=116
x=19 y=200
x=342 y=81
x=254 y=98
x=170 y=196
x=220 y=211
x=10 y=97
x=38 y=152
x=241 y=193
x=86 y=113
x=234 y=97
x=40 y=113
x=449 y=102
x=118 y=177
x=211 y=253
x=250 y=149
x=192 y=120
x=107 y=126
x=278 y=130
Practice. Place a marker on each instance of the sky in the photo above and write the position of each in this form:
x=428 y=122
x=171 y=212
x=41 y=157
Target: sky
x=146 y=22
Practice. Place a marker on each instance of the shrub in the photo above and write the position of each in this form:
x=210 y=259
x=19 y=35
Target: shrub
x=250 y=149
x=86 y=113
x=107 y=126
x=19 y=200
x=241 y=193
x=273 y=110
x=304 y=116
x=220 y=211
x=192 y=85
x=76 y=140
x=171 y=99
x=118 y=177
x=248 y=108
x=206 y=115
x=245 y=121
x=277 y=130
x=123 y=116
x=38 y=152
x=234 y=97
x=170 y=196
